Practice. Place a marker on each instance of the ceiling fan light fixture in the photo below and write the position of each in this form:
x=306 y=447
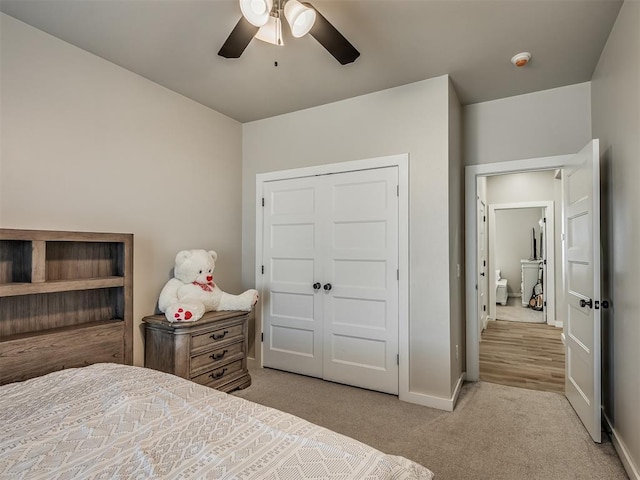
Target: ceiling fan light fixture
x=257 y=12
x=271 y=32
x=300 y=17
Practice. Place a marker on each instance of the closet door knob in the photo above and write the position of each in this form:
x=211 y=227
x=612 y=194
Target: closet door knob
x=586 y=304
x=327 y=286
x=316 y=286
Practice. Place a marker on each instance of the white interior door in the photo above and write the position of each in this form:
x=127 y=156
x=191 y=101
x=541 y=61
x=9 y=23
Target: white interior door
x=293 y=317
x=361 y=308
x=581 y=216
x=331 y=269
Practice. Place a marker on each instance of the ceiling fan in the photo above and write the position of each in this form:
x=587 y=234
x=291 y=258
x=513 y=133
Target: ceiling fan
x=262 y=19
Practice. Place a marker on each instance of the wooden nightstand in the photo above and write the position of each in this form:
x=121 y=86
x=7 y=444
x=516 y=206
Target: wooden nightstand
x=211 y=351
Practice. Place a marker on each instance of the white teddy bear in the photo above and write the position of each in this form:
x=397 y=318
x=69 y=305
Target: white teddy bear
x=191 y=292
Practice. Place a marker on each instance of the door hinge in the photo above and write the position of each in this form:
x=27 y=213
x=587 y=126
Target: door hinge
x=545 y=303
x=484 y=263
x=398 y=274
x=398 y=359
x=544 y=262
x=484 y=308
x=397 y=190
x=262 y=337
x=263 y=201
x=262 y=269
x=484 y=218
x=544 y=220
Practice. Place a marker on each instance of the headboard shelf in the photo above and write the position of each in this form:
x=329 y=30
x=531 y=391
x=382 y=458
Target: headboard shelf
x=62 y=330
x=14 y=289
x=66 y=300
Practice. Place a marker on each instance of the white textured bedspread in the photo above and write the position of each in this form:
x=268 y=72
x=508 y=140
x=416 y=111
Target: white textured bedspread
x=118 y=422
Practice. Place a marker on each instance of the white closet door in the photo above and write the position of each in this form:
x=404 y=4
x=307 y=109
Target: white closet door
x=340 y=231
x=361 y=309
x=293 y=318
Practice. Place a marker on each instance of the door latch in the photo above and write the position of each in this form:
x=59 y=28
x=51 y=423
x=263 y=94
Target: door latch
x=589 y=303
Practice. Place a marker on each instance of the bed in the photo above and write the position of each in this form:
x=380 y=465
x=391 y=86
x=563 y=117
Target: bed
x=73 y=407
x=119 y=421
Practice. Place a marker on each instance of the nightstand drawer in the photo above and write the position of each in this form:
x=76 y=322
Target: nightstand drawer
x=203 y=340
x=219 y=375
x=218 y=356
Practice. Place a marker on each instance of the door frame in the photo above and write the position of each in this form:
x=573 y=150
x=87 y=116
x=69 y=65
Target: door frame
x=401 y=161
x=472 y=172
x=549 y=249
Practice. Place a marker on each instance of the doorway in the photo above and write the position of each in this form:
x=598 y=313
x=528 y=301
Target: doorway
x=522 y=251
x=473 y=173
x=520 y=344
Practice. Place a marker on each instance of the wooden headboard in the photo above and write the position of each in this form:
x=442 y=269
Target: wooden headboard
x=66 y=300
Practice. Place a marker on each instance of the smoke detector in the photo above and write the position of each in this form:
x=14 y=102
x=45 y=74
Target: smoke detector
x=521 y=59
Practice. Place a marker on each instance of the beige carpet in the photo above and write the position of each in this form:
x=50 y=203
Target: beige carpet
x=495 y=432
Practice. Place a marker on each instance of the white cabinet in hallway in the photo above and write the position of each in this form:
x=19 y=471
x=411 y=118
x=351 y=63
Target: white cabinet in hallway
x=530 y=270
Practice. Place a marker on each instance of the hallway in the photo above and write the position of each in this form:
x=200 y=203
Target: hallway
x=526 y=355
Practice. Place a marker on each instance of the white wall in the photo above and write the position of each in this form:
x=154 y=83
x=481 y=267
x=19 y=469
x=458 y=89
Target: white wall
x=540 y=124
x=413 y=119
x=616 y=121
x=89 y=146
x=521 y=187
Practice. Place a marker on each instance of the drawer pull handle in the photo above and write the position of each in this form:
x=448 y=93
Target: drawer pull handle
x=218 y=356
x=218 y=337
x=215 y=375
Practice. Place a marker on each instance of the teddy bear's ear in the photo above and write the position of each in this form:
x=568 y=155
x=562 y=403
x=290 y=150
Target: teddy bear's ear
x=213 y=254
x=182 y=256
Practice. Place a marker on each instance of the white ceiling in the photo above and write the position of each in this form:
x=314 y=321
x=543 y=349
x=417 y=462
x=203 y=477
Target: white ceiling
x=175 y=43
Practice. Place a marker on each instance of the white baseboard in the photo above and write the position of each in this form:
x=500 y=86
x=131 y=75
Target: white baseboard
x=627 y=462
x=441 y=403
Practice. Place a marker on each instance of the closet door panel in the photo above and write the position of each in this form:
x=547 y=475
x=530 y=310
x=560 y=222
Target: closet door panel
x=361 y=261
x=293 y=314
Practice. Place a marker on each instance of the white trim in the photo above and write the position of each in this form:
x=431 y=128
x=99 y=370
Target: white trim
x=401 y=161
x=549 y=249
x=472 y=172
x=633 y=471
x=441 y=403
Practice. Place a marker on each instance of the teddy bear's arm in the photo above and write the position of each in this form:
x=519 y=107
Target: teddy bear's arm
x=169 y=294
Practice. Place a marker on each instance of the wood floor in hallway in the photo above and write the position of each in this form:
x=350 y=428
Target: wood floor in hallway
x=526 y=355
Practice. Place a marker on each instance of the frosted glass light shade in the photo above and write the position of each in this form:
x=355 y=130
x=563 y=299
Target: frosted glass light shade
x=300 y=18
x=271 y=32
x=256 y=11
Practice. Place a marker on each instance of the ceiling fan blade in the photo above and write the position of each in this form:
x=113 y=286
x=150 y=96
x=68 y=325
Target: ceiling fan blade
x=238 y=39
x=331 y=39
